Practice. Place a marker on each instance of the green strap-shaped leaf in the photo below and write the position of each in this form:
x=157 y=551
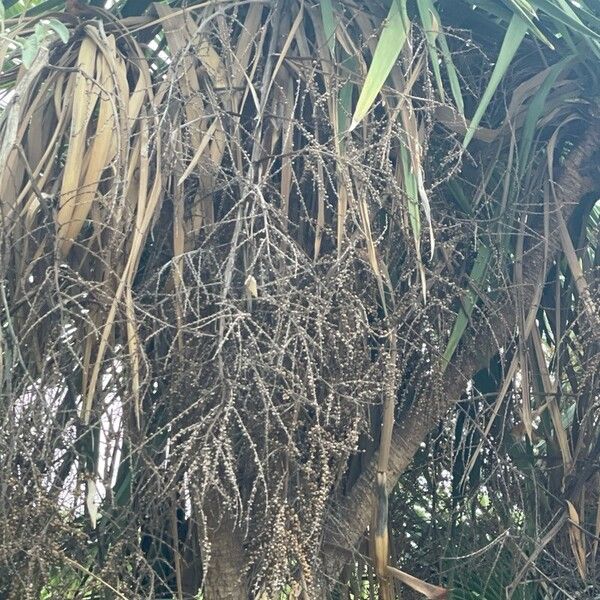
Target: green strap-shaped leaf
x=476 y=277
x=452 y=75
x=535 y=110
x=497 y=9
x=515 y=33
x=568 y=18
x=527 y=12
x=328 y=24
x=344 y=108
x=430 y=20
x=60 y=29
x=460 y=197
x=501 y=11
x=29 y=50
x=344 y=100
x=391 y=41
x=430 y=27
x=410 y=187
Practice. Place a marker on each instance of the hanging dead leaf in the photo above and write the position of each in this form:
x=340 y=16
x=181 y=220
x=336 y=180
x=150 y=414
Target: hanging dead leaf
x=251 y=286
x=577 y=541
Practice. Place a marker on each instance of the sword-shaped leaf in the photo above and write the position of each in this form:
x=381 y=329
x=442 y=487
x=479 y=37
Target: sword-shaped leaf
x=512 y=40
x=391 y=41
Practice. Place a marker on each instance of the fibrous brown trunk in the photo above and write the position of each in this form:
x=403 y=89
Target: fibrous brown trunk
x=580 y=176
x=225 y=575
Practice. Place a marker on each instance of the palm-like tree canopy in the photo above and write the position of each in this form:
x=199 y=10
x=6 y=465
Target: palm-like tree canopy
x=236 y=235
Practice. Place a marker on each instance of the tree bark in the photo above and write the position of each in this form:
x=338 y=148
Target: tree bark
x=225 y=576
x=351 y=514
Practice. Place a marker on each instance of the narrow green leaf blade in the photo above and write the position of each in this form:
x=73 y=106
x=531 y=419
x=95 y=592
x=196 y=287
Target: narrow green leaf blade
x=345 y=106
x=452 y=75
x=427 y=15
x=569 y=19
x=328 y=24
x=477 y=277
x=60 y=29
x=344 y=100
x=460 y=196
x=410 y=187
x=527 y=13
x=29 y=50
x=393 y=38
x=515 y=33
x=535 y=110
x=430 y=20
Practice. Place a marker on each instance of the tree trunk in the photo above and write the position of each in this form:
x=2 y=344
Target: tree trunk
x=225 y=577
x=349 y=520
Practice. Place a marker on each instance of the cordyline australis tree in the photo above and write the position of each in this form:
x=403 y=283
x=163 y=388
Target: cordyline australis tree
x=253 y=253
